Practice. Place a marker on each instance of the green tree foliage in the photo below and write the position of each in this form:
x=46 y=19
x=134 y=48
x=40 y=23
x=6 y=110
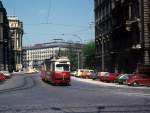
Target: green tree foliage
x=89 y=55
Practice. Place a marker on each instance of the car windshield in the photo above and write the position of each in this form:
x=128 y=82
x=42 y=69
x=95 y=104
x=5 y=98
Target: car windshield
x=124 y=76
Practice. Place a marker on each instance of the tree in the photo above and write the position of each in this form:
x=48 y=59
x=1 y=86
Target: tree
x=89 y=55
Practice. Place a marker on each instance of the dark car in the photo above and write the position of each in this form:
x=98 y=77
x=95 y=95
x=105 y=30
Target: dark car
x=123 y=78
x=139 y=79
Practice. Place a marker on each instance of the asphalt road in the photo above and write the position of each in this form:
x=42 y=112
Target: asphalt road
x=28 y=94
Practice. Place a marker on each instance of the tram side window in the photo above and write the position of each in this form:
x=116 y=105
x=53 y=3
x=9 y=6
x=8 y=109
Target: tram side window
x=53 y=67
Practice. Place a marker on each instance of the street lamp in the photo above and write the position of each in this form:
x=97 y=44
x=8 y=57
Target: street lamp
x=103 y=67
x=79 y=51
x=5 y=52
x=78 y=60
x=102 y=38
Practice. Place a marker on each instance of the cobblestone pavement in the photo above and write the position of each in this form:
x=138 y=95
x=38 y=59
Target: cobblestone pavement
x=76 y=109
x=29 y=94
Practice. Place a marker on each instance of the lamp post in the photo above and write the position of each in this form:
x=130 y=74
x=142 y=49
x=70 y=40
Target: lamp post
x=78 y=60
x=102 y=46
x=5 y=53
x=79 y=51
x=103 y=67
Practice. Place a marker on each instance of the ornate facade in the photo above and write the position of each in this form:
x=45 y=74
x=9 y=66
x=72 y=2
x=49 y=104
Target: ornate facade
x=5 y=48
x=16 y=30
x=122 y=35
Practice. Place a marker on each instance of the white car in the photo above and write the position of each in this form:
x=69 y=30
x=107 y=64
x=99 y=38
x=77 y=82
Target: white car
x=6 y=74
x=73 y=73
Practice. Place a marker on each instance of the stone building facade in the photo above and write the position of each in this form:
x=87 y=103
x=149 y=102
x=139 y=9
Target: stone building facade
x=5 y=45
x=16 y=30
x=35 y=55
x=122 y=35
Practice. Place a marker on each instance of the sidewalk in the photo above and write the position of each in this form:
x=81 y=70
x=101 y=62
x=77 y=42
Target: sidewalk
x=105 y=84
x=19 y=72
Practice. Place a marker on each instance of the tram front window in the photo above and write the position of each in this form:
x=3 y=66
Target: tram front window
x=62 y=67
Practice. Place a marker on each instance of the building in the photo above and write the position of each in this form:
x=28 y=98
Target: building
x=16 y=30
x=103 y=31
x=122 y=35
x=35 y=55
x=4 y=40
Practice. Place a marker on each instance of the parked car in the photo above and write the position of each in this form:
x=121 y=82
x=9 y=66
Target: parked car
x=95 y=75
x=84 y=73
x=73 y=73
x=123 y=78
x=2 y=77
x=79 y=72
x=112 y=77
x=139 y=79
x=108 y=77
x=89 y=74
x=103 y=76
x=6 y=74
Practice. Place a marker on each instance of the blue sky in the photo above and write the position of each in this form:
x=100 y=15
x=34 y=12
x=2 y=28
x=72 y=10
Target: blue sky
x=45 y=20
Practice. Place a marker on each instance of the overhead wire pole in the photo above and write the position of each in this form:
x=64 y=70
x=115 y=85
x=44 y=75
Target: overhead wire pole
x=103 y=58
x=79 y=52
x=102 y=44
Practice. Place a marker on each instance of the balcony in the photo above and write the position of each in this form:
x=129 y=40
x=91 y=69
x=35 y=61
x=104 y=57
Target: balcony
x=129 y=24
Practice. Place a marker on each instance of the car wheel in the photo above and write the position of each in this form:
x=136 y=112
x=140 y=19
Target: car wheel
x=135 y=84
x=120 y=83
x=124 y=82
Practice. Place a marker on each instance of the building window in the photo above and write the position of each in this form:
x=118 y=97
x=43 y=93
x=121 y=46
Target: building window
x=1 y=17
x=1 y=33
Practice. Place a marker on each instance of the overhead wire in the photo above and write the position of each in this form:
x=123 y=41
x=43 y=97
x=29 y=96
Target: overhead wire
x=80 y=31
x=49 y=10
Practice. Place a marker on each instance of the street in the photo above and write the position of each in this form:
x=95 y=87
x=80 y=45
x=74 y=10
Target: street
x=28 y=94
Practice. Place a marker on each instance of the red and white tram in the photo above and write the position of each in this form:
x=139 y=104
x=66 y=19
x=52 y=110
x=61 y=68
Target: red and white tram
x=56 y=70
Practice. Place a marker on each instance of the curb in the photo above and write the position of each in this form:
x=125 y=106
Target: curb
x=104 y=84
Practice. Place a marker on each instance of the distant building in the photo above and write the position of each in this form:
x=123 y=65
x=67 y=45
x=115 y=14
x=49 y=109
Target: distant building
x=122 y=35
x=16 y=30
x=4 y=40
x=35 y=55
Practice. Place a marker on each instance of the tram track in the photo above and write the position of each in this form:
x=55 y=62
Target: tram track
x=28 y=83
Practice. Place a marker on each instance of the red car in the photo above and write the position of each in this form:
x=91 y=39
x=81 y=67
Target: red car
x=109 y=77
x=2 y=77
x=139 y=79
x=113 y=77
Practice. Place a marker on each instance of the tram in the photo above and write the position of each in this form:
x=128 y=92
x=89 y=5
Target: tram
x=56 y=70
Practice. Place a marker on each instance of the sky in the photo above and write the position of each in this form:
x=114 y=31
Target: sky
x=45 y=20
